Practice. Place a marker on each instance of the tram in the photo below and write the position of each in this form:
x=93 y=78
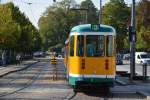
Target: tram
x=90 y=55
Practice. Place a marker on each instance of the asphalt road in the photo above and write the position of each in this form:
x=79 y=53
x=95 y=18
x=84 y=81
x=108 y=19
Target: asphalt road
x=36 y=83
x=139 y=68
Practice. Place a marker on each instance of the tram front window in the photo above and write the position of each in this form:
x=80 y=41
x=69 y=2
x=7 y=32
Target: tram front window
x=94 y=45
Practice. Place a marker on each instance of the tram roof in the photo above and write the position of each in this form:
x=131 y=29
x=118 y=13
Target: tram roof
x=87 y=28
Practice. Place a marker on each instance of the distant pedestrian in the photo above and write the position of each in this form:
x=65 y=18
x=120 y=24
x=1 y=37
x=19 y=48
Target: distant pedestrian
x=4 y=58
x=21 y=59
x=18 y=58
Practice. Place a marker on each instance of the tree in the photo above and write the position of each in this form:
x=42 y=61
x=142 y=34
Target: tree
x=16 y=31
x=56 y=22
x=117 y=14
x=143 y=14
x=9 y=29
x=141 y=44
x=37 y=41
x=143 y=23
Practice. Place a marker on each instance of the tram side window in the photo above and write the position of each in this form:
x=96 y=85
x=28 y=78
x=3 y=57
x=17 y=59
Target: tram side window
x=72 y=46
x=80 y=46
x=95 y=45
x=109 y=44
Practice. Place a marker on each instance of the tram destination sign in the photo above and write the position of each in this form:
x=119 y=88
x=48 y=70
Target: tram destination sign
x=95 y=27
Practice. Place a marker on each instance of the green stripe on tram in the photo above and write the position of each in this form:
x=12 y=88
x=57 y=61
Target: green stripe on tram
x=107 y=81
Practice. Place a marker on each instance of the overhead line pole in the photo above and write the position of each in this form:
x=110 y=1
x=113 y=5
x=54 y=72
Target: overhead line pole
x=100 y=12
x=132 y=42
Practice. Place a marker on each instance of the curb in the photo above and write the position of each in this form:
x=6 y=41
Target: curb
x=121 y=82
x=144 y=94
x=12 y=71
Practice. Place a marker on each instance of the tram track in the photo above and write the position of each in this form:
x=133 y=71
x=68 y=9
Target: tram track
x=111 y=95
x=16 y=71
x=47 y=70
x=92 y=95
x=41 y=78
x=27 y=84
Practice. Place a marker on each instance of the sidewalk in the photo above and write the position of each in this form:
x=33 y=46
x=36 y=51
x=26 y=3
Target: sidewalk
x=138 y=86
x=14 y=68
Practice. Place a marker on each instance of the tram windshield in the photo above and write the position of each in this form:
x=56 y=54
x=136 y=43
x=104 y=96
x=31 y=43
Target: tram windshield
x=95 y=45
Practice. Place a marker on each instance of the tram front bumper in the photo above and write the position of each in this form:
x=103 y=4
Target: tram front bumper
x=91 y=81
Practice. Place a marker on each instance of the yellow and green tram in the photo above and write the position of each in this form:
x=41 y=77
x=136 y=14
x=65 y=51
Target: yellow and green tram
x=90 y=55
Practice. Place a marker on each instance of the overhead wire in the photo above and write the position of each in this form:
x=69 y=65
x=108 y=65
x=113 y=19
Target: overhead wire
x=32 y=13
x=29 y=3
x=30 y=9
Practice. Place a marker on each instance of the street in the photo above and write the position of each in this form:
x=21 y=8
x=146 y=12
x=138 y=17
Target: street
x=33 y=83
x=139 y=68
x=38 y=38
x=38 y=83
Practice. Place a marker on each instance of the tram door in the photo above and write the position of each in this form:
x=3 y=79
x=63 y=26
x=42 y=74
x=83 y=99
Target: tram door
x=95 y=51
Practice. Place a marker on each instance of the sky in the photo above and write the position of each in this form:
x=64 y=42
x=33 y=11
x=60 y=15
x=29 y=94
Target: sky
x=35 y=10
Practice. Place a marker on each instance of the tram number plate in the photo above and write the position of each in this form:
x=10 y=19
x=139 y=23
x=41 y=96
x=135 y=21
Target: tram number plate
x=95 y=27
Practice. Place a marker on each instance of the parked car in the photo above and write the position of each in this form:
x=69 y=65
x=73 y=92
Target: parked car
x=126 y=57
x=142 y=57
x=39 y=54
x=60 y=56
x=119 y=60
